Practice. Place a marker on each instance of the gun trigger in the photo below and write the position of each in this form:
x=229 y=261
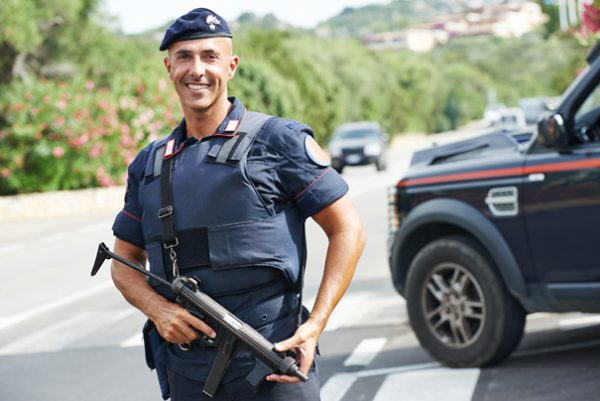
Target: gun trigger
x=258 y=374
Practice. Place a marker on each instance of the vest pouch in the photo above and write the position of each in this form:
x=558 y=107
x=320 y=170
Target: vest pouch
x=273 y=242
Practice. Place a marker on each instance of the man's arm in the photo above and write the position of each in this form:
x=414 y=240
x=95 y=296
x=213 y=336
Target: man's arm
x=174 y=323
x=343 y=227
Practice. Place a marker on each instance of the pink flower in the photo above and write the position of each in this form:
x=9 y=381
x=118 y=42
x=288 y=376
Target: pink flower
x=95 y=151
x=58 y=152
x=89 y=85
x=5 y=172
x=104 y=179
x=591 y=17
x=79 y=142
x=28 y=96
x=61 y=104
x=60 y=121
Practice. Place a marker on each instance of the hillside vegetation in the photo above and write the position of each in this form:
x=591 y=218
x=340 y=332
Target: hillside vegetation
x=78 y=100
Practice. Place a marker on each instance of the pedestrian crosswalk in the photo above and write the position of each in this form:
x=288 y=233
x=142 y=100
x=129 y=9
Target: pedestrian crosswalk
x=373 y=312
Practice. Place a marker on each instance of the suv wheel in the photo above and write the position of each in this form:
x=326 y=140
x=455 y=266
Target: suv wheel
x=458 y=307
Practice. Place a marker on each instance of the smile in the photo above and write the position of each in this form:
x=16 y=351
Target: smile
x=197 y=86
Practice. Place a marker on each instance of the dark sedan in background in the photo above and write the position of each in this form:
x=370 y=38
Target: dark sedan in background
x=358 y=144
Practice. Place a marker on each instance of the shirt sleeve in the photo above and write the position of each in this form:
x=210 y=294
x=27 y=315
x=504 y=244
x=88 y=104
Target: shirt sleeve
x=307 y=181
x=128 y=223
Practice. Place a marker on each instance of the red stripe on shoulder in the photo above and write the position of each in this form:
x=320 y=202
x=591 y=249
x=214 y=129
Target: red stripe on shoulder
x=131 y=215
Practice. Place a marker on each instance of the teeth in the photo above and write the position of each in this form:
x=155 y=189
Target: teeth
x=196 y=86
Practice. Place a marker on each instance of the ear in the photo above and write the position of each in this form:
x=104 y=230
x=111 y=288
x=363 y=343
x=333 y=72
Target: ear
x=167 y=63
x=233 y=64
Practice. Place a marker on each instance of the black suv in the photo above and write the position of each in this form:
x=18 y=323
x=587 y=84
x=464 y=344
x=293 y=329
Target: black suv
x=486 y=230
x=358 y=144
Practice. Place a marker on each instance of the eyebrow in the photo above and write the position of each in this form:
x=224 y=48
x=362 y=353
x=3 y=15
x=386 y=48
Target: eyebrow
x=203 y=51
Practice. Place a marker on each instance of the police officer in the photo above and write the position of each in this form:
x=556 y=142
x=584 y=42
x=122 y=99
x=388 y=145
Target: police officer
x=224 y=198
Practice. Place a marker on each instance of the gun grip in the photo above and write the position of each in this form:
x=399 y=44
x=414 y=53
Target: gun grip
x=258 y=374
x=101 y=256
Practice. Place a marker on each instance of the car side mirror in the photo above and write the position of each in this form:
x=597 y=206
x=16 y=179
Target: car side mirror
x=552 y=132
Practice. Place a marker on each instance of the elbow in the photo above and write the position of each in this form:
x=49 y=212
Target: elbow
x=362 y=238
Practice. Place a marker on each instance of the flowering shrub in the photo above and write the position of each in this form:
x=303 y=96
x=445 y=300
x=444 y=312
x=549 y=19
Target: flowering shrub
x=589 y=31
x=69 y=135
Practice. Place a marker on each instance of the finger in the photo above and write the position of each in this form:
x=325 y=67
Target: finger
x=282 y=379
x=306 y=361
x=201 y=326
x=288 y=344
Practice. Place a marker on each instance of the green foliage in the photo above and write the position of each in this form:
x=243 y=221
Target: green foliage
x=80 y=127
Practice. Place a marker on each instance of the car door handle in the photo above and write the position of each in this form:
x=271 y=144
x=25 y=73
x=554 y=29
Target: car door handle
x=538 y=177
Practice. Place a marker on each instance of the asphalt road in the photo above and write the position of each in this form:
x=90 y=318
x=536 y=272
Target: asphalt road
x=66 y=336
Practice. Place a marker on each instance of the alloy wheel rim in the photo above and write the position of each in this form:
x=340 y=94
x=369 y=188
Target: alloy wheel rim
x=454 y=305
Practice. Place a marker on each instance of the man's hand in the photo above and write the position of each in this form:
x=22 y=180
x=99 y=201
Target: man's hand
x=176 y=325
x=303 y=343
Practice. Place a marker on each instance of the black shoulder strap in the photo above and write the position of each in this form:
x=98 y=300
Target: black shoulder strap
x=234 y=149
x=165 y=213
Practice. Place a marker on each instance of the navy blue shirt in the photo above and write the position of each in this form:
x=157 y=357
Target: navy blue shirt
x=278 y=165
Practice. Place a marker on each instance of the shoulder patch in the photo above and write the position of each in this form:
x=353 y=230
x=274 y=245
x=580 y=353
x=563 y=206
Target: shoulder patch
x=315 y=153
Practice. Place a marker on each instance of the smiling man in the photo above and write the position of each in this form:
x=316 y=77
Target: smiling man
x=224 y=199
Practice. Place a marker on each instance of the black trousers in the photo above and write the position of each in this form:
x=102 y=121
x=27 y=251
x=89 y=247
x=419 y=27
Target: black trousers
x=184 y=389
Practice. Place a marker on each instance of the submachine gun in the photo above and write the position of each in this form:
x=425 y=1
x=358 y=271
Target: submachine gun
x=229 y=329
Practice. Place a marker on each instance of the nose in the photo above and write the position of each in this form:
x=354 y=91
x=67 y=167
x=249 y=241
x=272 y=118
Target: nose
x=197 y=69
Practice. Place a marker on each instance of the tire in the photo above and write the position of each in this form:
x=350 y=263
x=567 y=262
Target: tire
x=458 y=307
x=380 y=164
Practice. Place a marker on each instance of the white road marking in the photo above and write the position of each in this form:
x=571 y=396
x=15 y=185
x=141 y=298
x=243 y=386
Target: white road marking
x=53 y=238
x=21 y=317
x=58 y=336
x=357 y=309
x=338 y=385
x=366 y=351
x=577 y=322
x=133 y=341
x=11 y=248
x=429 y=384
x=103 y=226
x=346 y=310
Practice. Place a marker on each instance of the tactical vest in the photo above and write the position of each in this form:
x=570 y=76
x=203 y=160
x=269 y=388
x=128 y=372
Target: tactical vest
x=226 y=235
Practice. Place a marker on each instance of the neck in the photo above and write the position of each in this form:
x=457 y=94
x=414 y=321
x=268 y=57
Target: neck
x=202 y=123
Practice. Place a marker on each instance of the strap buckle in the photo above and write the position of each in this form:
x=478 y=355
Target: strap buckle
x=171 y=246
x=165 y=212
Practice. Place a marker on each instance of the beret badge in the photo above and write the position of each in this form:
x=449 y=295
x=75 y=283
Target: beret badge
x=212 y=22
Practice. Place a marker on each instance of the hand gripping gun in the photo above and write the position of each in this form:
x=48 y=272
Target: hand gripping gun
x=229 y=329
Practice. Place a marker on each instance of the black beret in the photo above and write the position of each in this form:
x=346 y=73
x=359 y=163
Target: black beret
x=197 y=24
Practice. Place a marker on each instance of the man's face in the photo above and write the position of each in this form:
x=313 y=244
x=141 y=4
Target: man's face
x=200 y=70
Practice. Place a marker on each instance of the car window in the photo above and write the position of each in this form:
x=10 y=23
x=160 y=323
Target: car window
x=356 y=134
x=588 y=112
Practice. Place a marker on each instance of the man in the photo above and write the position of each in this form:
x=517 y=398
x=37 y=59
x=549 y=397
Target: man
x=224 y=199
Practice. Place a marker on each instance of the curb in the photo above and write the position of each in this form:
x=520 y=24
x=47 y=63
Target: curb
x=61 y=203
